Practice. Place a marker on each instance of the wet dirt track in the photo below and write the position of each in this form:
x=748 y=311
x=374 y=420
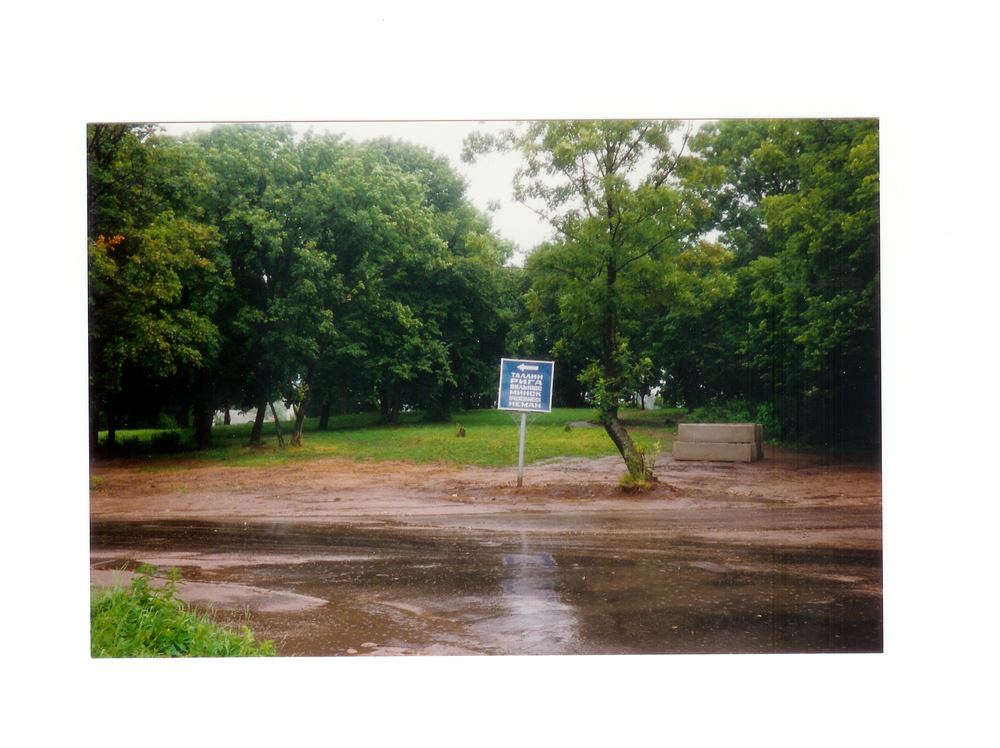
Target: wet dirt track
x=343 y=558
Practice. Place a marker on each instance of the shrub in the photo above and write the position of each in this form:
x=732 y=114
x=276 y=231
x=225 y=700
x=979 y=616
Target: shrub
x=166 y=442
x=143 y=443
x=731 y=411
x=765 y=417
x=166 y=421
x=129 y=446
x=147 y=621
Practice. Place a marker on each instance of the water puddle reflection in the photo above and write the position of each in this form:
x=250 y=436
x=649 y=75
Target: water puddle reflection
x=536 y=620
x=393 y=589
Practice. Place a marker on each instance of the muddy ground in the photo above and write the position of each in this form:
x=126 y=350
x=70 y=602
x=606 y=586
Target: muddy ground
x=331 y=557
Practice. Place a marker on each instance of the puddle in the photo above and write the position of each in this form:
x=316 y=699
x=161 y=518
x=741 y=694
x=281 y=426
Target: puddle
x=628 y=586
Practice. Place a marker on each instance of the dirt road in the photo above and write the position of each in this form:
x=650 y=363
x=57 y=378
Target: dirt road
x=344 y=557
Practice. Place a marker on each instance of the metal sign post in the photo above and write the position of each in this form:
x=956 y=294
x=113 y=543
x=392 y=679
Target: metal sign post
x=525 y=387
x=520 y=450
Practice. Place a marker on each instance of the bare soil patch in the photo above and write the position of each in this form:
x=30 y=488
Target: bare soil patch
x=333 y=490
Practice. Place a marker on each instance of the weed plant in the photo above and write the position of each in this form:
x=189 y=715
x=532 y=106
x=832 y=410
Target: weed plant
x=643 y=479
x=148 y=621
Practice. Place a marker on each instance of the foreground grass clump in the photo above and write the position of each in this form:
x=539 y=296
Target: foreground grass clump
x=146 y=621
x=642 y=479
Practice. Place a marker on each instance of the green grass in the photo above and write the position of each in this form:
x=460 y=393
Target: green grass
x=491 y=439
x=147 y=621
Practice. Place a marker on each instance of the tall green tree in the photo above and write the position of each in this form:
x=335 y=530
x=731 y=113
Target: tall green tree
x=628 y=238
x=273 y=314
x=388 y=254
x=466 y=296
x=152 y=277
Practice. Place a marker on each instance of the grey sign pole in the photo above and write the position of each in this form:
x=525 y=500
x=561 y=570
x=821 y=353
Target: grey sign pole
x=520 y=450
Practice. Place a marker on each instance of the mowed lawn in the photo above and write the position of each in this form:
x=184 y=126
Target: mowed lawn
x=490 y=440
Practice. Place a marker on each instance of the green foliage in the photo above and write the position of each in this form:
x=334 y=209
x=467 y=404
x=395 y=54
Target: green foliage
x=730 y=411
x=363 y=276
x=765 y=417
x=143 y=443
x=165 y=421
x=166 y=442
x=738 y=411
x=148 y=621
x=152 y=271
x=245 y=266
x=628 y=248
x=800 y=207
x=608 y=393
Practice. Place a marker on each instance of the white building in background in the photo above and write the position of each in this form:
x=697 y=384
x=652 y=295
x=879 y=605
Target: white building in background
x=239 y=416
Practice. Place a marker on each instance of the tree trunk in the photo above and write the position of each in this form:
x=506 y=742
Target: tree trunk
x=183 y=411
x=300 y=410
x=300 y=416
x=609 y=416
x=324 y=416
x=95 y=414
x=384 y=401
x=277 y=428
x=258 y=422
x=203 y=419
x=109 y=443
x=204 y=414
x=634 y=461
x=397 y=403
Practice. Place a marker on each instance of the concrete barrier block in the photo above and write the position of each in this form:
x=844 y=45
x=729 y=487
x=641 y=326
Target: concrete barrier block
x=721 y=442
x=727 y=433
x=718 y=451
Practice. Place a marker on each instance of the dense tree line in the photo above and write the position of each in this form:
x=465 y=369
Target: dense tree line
x=797 y=342
x=736 y=266
x=244 y=265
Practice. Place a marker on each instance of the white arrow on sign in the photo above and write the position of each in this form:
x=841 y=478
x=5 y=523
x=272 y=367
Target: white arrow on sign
x=527 y=367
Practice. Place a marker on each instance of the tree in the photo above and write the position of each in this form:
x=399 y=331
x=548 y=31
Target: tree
x=151 y=274
x=262 y=266
x=800 y=209
x=628 y=237
x=422 y=275
x=263 y=204
x=466 y=296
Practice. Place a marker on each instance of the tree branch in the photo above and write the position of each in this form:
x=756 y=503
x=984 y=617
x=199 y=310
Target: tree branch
x=648 y=252
x=549 y=220
x=673 y=166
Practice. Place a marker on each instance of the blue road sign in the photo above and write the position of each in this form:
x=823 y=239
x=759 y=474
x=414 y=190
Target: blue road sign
x=525 y=385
